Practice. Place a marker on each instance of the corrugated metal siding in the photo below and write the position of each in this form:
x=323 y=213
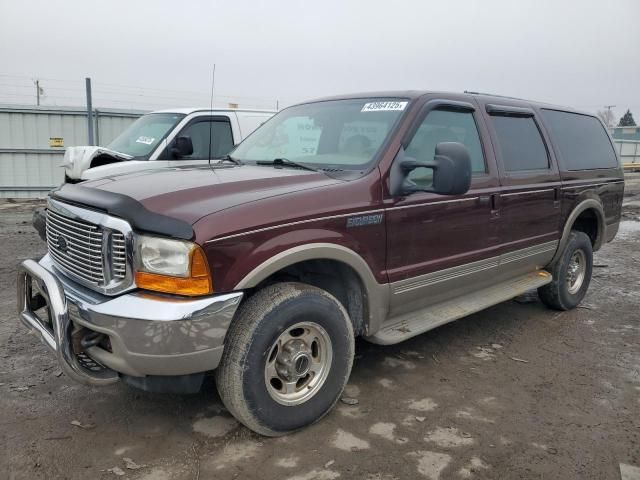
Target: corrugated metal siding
x=29 y=167
x=29 y=175
x=629 y=151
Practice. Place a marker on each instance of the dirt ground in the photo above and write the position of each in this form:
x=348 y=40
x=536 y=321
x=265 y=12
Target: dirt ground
x=516 y=391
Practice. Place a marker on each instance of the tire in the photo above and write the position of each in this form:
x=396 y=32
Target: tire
x=558 y=294
x=249 y=377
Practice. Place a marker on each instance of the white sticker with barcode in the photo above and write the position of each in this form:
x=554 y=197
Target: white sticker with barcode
x=383 y=106
x=145 y=140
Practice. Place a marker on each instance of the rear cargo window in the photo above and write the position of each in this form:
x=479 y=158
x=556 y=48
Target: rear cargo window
x=582 y=140
x=520 y=143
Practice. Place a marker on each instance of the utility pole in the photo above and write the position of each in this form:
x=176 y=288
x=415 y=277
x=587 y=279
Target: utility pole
x=89 y=111
x=37 y=82
x=610 y=115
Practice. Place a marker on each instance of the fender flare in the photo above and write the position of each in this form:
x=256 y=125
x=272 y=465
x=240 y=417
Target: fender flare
x=589 y=203
x=376 y=295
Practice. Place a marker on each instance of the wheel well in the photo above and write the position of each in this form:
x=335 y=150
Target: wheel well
x=587 y=222
x=333 y=276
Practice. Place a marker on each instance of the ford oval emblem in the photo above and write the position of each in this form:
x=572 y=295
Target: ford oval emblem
x=62 y=243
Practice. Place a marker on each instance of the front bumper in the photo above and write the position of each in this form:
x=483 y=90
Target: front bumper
x=149 y=334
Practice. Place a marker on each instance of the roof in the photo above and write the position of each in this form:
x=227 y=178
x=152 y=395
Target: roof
x=7 y=107
x=116 y=111
x=190 y=110
x=414 y=94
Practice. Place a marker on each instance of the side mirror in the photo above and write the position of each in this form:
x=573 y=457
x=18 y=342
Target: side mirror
x=182 y=147
x=451 y=167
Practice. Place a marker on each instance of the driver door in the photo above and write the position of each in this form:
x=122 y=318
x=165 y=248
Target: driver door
x=439 y=247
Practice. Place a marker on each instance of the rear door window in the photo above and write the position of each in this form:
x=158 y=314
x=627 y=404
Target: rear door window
x=581 y=139
x=520 y=143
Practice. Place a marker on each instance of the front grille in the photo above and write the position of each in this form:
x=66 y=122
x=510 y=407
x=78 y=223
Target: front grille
x=118 y=256
x=91 y=247
x=76 y=246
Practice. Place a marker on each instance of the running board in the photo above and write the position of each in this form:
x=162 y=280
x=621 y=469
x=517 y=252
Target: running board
x=409 y=325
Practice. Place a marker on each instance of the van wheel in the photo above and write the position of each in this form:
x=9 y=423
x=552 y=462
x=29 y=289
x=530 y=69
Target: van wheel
x=287 y=357
x=571 y=274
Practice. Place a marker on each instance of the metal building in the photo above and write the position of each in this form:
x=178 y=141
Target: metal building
x=627 y=143
x=33 y=140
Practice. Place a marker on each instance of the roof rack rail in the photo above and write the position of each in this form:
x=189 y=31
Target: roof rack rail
x=493 y=95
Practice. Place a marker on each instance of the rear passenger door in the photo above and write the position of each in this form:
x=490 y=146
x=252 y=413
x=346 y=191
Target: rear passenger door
x=529 y=200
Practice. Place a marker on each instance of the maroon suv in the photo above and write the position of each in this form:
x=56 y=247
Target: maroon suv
x=376 y=215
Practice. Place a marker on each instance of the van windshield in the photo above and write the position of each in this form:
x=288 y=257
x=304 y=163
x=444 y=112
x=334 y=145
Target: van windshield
x=336 y=134
x=144 y=135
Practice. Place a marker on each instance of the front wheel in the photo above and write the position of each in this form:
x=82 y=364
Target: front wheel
x=287 y=358
x=571 y=274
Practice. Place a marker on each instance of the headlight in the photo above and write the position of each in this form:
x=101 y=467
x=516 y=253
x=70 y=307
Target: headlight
x=164 y=256
x=171 y=266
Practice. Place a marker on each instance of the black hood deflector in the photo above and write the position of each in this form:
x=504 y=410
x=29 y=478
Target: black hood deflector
x=125 y=207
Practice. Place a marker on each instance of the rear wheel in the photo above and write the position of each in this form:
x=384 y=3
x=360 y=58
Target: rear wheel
x=571 y=274
x=287 y=358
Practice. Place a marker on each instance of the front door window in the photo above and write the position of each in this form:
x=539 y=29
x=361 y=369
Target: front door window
x=210 y=139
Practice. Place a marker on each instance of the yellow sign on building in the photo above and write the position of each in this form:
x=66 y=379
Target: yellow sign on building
x=56 y=142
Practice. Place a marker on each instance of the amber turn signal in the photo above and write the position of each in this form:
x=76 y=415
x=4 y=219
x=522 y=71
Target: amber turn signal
x=198 y=283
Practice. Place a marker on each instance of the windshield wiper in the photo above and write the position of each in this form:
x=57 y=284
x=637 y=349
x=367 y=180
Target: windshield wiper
x=284 y=162
x=228 y=158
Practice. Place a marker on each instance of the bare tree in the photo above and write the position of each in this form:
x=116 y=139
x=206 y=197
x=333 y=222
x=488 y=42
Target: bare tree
x=607 y=117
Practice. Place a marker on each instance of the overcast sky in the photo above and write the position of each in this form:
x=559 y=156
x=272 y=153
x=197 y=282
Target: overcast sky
x=160 y=53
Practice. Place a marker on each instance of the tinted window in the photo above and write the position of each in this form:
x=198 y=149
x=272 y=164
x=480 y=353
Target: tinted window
x=200 y=132
x=520 y=143
x=447 y=126
x=582 y=140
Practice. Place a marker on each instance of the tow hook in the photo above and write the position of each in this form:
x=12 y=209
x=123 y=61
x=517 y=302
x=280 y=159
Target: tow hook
x=91 y=340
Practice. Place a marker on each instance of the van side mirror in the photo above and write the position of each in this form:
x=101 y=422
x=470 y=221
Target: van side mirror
x=182 y=147
x=451 y=168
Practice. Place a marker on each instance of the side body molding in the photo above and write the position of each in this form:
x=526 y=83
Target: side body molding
x=589 y=203
x=376 y=295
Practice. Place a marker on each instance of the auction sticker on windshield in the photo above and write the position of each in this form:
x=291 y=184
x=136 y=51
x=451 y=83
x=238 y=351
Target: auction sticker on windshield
x=383 y=106
x=145 y=140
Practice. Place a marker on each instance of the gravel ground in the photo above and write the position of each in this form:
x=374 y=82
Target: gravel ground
x=516 y=391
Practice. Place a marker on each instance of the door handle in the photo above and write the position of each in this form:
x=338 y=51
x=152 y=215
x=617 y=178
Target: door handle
x=487 y=200
x=493 y=202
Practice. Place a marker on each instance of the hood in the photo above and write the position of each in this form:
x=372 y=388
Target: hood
x=78 y=159
x=189 y=194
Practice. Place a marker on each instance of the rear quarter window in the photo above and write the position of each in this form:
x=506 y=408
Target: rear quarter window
x=581 y=139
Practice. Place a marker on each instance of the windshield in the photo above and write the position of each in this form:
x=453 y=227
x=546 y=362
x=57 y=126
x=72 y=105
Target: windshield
x=337 y=134
x=144 y=135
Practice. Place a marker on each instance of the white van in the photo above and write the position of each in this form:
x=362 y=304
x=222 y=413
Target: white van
x=166 y=138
